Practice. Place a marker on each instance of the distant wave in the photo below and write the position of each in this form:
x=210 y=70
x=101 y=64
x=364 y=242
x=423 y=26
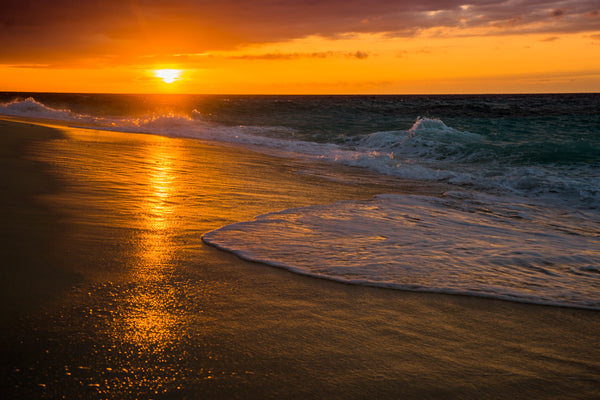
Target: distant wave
x=29 y=107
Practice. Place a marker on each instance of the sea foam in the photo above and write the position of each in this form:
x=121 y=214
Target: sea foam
x=29 y=107
x=428 y=150
x=457 y=244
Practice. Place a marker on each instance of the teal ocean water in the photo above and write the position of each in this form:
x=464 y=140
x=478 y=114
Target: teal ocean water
x=520 y=221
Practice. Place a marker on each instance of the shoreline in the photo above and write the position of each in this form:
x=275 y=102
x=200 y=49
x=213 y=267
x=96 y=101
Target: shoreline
x=147 y=310
x=393 y=287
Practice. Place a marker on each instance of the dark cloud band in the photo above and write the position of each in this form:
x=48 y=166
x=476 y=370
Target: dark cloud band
x=34 y=31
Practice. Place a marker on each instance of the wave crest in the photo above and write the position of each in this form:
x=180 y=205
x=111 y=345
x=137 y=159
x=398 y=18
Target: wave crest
x=428 y=124
x=30 y=107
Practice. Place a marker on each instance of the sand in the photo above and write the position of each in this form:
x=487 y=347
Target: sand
x=109 y=292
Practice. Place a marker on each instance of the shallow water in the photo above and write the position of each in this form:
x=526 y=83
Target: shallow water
x=152 y=312
x=518 y=216
x=453 y=245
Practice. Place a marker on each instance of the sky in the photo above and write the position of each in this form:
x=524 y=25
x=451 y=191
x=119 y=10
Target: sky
x=300 y=46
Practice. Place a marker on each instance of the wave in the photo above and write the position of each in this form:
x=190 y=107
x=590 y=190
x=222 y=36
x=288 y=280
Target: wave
x=429 y=150
x=511 y=251
x=195 y=126
x=29 y=107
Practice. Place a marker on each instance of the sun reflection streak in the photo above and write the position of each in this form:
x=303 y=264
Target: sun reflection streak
x=159 y=205
x=150 y=323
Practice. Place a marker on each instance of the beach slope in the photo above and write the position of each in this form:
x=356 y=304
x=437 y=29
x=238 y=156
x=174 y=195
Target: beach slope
x=109 y=292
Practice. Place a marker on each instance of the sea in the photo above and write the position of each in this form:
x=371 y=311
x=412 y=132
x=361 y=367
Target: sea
x=518 y=220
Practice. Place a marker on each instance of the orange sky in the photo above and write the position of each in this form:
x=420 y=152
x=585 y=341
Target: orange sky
x=285 y=46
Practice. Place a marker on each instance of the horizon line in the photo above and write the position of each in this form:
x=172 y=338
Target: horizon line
x=306 y=94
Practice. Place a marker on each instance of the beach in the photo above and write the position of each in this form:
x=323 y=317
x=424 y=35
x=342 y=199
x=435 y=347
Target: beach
x=109 y=292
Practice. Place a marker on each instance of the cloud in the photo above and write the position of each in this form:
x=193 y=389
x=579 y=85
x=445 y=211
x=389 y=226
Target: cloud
x=34 y=31
x=31 y=66
x=361 y=55
x=281 y=56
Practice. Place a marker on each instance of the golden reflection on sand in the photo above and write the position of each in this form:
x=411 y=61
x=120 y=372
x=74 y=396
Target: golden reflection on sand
x=148 y=321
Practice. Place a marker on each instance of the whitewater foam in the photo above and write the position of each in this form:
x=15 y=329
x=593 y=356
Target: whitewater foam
x=29 y=107
x=428 y=150
x=505 y=250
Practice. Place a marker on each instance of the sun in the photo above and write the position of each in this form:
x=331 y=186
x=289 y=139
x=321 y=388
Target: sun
x=168 y=75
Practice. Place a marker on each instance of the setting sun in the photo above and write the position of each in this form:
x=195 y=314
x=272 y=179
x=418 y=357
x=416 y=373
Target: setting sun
x=369 y=47
x=168 y=75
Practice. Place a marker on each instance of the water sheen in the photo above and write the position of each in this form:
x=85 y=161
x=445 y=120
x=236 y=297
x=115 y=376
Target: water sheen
x=521 y=220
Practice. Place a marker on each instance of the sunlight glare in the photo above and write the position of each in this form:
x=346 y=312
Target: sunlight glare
x=168 y=75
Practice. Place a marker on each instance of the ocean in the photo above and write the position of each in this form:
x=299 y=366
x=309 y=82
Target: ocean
x=518 y=219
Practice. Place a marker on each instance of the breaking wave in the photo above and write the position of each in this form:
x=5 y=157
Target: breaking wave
x=567 y=171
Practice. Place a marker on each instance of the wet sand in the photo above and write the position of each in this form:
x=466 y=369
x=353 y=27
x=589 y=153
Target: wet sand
x=109 y=292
